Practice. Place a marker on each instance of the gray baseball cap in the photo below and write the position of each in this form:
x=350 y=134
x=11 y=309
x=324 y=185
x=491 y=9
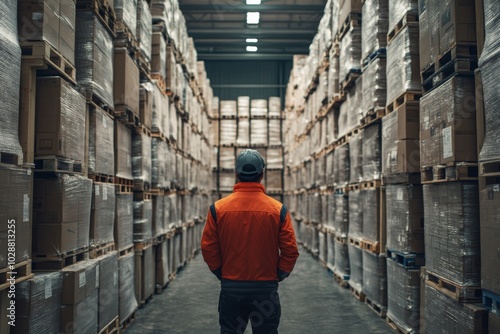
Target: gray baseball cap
x=249 y=163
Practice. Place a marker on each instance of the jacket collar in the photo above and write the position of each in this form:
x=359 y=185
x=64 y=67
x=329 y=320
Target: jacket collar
x=249 y=187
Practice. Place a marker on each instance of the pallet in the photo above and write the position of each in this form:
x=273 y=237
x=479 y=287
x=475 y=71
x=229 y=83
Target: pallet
x=395 y=327
x=159 y=289
x=127 y=116
x=141 y=185
x=464 y=294
x=359 y=295
x=142 y=130
x=100 y=250
x=380 y=53
x=372 y=116
x=21 y=271
x=352 y=20
x=407 y=260
x=402 y=99
x=146 y=301
x=453 y=171
x=343 y=281
x=42 y=262
x=102 y=178
x=125 y=251
x=355 y=242
x=124 y=186
x=375 y=184
x=381 y=311
x=489 y=168
x=10 y=159
x=456 y=67
x=94 y=100
x=126 y=322
x=354 y=187
x=124 y=37
x=102 y=10
x=140 y=246
x=55 y=63
x=371 y=246
x=350 y=80
x=408 y=19
x=491 y=301
x=55 y=164
x=112 y=327
x=160 y=82
x=404 y=178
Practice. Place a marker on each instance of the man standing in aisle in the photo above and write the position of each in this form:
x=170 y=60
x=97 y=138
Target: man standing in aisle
x=249 y=244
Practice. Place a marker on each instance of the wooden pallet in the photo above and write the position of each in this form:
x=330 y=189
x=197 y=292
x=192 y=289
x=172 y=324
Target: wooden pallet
x=140 y=246
x=20 y=272
x=10 y=159
x=124 y=37
x=371 y=246
x=375 y=184
x=127 y=116
x=100 y=250
x=402 y=99
x=455 y=67
x=42 y=262
x=350 y=80
x=380 y=53
x=146 y=300
x=464 y=294
x=395 y=327
x=355 y=242
x=381 y=311
x=125 y=251
x=353 y=20
x=102 y=178
x=491 y=301
x=354 y=187
x=124 y=323
x=404 y=178
x=453 y=171
x=372 y=116
x=489 y=168
x=112 y=327
x=342 y=280
x=55 y=164
x=94 y=100
x=141 y=185
x=407 y=20
x=142 y=130
x=124 y=186
x=359 y=295
x=54 y=61
x=103 y=11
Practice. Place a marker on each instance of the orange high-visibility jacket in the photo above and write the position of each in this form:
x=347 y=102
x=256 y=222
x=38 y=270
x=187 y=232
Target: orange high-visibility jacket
x=247 y=240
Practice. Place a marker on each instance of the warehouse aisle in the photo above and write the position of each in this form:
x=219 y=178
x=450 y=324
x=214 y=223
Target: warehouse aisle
x=311 y=303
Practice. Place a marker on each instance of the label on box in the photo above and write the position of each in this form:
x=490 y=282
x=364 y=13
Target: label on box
x=400 y=194
x=97 y=191
x=104 y=193
x=97 y=276
x=104 y=123
x=447 y=143
x=129 y=209
x=26 y=208
x=82 y=279
x=48 y=287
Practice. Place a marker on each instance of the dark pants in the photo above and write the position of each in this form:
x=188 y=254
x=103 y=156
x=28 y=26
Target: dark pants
x=263 y=309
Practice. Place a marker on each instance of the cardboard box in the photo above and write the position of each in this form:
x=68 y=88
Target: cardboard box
x=126 y=269
x=347 y=7
x=457 y=23
x=60 y=123
x=426 y=57
x=108 y=289
x=146 y=104
x=124 y=221
x=54 y=239
x=159 y=55
x=123 y=151
x=102 y=217
x=489 y=200
x=171 y=76
x=101 y=143
x=80 y=281
x=15 y=211
x=126 y=81
x=39 y=21
x=81 y=317
x=67 y=23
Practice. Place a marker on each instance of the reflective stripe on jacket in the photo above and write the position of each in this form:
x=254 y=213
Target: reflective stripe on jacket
x=247 y=240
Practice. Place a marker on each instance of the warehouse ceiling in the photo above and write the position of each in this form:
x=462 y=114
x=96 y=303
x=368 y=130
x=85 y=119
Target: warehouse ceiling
x=220 y=29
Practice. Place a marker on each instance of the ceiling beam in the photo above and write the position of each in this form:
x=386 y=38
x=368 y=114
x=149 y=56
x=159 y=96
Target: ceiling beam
x=251 y=8
x=255 y=32
x=241 y=41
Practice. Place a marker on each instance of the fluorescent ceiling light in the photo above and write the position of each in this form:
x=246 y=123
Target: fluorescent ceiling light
x=253 y=2
x=252 y=49
x=252 y=40
x=253 y=17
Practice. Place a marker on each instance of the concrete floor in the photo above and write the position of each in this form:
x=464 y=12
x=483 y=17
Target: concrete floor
x=311 y=303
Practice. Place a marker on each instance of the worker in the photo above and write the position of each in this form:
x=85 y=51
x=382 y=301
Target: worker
x=249 y=243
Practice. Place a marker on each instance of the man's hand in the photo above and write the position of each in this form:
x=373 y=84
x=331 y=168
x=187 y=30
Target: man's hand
x=218 y=273
x=282 y=275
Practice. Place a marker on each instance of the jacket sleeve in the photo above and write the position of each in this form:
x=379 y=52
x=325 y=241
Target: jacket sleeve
x=210 y=247
x=288 y=246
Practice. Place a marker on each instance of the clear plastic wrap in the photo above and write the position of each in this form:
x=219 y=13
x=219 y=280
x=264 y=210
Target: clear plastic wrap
x=123 y=151
x=355 y=214
x=356 y=157
x=333 y=73
x=371 y=213
x=341 y=165
x=375 y=278
x=126 y=270
x=124 y=231
x=40 y=300
x=61 y=130
x=403 y=62
x=10 y=71
x=490 y=67
x=102 y=214
x=443 y=315
x=490 y=216
x=101 y=143
x=375 y=20
x=243 y=106
x=335 y=17
x=330 y=171
x=175 y=220
x=258 y=132
x=143 y=220
x=243 y=131
x=227 y=157
x=350 y=52
x=342 y=267
x=374 y=86
x=274 y=158
x=141 y=157
x=315 y=207
x=159 y=165
x=405 y=218
x=372 y=153
x=258 y=108
x=275 y=132
x=94 y=56
x=323 y=251
x=330 y=257
x=159 y=55
x=159 y=112
x=448 y=123
x=163 y=264
x=399 y=8
x=341 y=218
x=452 y=247
x=148 y=273
x=108 y=289
x=274 y=106
x=356 y=267
x=144 y=28
x=61 y=214
x=227 y=131
x=158 y=215
x=15 y=203
x=403 y=292
x=126 y=11
x=228 y=108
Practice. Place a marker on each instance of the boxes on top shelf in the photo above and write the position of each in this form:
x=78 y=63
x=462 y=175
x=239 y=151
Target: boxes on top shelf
x=401 y=12
x=126 y=82
x=102 y=217
x=101 y=143
x=375 y=20
x=126 y=17
x=123 y=152
x=144 y=29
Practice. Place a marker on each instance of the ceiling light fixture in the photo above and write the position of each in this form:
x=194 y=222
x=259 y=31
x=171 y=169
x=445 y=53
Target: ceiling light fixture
x=252 y=48
x=253 y=17
x=253 y=2
x=252 y=40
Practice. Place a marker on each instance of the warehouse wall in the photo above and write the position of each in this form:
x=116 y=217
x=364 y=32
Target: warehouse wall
x=257 y=79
